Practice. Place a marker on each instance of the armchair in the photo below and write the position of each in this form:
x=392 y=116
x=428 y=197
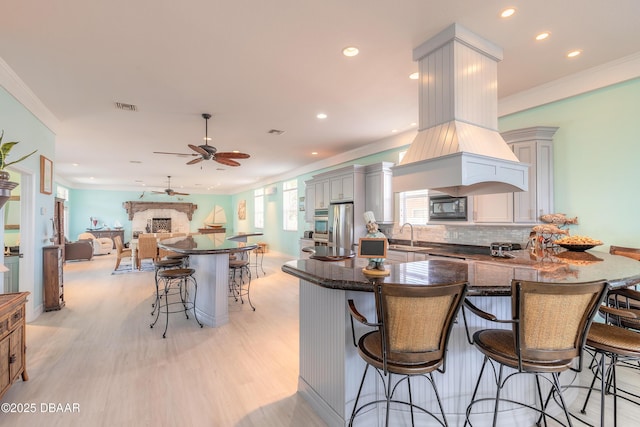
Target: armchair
x=101 y=245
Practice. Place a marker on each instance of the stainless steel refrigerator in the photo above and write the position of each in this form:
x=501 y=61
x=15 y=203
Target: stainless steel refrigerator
x=341 y=225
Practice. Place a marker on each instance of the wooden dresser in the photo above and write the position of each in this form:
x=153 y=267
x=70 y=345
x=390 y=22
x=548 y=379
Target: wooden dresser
x=12 y=339
x=52 y=278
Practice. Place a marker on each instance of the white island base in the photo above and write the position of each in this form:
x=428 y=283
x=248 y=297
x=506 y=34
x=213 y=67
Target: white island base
x=331 y=369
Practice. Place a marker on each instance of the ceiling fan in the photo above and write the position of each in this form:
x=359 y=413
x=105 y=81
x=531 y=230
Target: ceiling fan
x=168 y=191
x=209 y=152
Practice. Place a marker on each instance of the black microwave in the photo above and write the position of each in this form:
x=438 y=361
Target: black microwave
x=447 y=208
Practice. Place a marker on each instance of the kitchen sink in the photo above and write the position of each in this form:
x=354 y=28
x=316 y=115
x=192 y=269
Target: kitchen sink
x=407 y=248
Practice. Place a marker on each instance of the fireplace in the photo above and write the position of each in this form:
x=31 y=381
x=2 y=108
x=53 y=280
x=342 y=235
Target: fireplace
x=161 y=225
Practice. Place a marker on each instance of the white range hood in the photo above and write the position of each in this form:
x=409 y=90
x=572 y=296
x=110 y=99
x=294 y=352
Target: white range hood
x=458 y=149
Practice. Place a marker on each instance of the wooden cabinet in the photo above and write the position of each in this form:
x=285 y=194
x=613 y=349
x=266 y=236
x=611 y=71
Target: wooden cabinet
x=108 y=233
x=12 y=339
x=58 y=224
x=309 y=200
x=52 y=278
x=533 y=146
x=379 y=191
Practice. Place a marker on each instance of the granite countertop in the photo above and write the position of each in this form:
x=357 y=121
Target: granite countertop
x=329 y=253
x=199 y=244
x=487 y=275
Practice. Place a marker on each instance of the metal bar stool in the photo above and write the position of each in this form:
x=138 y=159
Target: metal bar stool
x=259 y=257
x=237 y=286
x=176 y=282
x=184 y=259
x=159 y=265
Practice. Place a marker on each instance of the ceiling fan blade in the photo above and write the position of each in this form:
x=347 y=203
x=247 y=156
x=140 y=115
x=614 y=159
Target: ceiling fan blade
x=179 y=194
x=225 y=161
x=176 y=154
x=158 y=192
x=198 y=150
x=194 y=161
x=232 y=155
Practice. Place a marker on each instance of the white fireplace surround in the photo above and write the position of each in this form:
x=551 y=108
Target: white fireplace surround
x=179 y=221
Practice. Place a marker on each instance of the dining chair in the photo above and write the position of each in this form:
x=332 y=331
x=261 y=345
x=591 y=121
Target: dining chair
x=121 y=251
x=411 y=336
x=549 y=327
x=147 y=248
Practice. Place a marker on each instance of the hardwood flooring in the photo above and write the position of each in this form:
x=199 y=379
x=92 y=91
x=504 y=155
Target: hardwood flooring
x=99 y=354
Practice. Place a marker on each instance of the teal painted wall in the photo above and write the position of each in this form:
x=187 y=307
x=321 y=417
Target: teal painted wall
x=596 y=157
x=107 y=207
x=20 y=125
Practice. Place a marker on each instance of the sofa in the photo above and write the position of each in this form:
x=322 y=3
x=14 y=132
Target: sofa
x=80 y=250
x=101 y=245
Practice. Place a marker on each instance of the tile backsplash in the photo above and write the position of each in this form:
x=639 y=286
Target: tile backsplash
x=481 y=235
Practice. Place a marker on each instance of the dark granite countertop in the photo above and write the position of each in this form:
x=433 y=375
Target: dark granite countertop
x=199 y=244
x=487 y=275
x=329 y=253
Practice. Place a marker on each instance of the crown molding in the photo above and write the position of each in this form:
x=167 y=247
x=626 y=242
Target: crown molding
x=618 y=71
x=10 y=81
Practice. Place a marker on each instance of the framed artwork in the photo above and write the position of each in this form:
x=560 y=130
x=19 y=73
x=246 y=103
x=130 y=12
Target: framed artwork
x=46 y=175
x=242 y=210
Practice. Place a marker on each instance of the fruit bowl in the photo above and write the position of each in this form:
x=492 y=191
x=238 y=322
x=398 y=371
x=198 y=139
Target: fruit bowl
x=576 y=248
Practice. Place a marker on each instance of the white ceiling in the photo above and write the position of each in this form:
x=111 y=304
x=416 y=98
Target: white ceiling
x=261 y=65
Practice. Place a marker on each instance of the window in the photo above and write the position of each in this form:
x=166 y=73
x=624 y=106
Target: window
x=290 y=205
x=414 y=207
x=258 y=208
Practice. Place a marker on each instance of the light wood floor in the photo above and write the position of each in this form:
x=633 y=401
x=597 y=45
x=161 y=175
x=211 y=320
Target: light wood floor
x=99 y=353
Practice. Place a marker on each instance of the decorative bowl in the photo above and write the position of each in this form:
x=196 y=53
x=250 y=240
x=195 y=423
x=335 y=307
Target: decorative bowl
x=577 y=248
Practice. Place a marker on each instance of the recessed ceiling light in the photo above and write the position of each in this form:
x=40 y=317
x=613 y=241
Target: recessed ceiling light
x=414 y=76
x=394 y=130
x=321 y=116
x=413 y=124
x=74 y=164
x=315 y=153
x=543 y=36
x=574 y=53
x=206 y=138
x=350 y=51
x=507 y=12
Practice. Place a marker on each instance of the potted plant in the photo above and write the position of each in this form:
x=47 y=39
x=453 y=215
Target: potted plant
x=5 y=185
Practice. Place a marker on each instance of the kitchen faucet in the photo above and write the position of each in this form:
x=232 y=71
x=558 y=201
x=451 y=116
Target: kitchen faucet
x=411 y=227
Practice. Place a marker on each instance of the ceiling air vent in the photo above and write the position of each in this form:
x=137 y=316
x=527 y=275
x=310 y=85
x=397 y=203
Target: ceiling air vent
x=275 y=132
x=126 y=107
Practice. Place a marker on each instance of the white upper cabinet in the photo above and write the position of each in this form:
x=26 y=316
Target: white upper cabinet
x=379 y=191
x=342 y=188
x=533 y=146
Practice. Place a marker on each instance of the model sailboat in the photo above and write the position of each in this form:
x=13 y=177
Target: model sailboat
x=216 y=218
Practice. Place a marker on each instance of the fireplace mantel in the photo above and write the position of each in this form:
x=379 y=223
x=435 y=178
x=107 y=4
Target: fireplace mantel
x=134 y=207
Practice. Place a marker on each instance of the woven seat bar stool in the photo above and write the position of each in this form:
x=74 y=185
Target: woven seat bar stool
x=412 y=332
x=613 y=341
x=549 y=322
x=238 y=288
x=175 y=283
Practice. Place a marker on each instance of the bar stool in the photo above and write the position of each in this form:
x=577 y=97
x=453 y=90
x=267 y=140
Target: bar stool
x=259 y=257
x=159 y=265
x=183 y=258
x=237 y=288
x=176 y=282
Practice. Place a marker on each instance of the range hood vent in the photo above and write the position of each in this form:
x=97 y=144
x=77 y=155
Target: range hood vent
x=458 y=149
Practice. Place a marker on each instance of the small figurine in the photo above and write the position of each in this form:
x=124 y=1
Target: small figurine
x=373 y=231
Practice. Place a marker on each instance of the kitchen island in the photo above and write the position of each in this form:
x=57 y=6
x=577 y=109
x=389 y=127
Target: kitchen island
x=209 y=257
x=330 y=368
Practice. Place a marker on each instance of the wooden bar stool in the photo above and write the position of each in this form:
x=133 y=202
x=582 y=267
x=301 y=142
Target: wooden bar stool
x=176 y=282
